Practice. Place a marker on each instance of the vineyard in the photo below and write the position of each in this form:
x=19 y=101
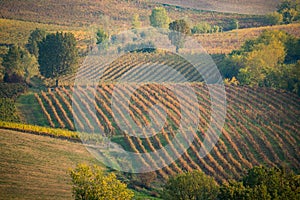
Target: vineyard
x=261 y=124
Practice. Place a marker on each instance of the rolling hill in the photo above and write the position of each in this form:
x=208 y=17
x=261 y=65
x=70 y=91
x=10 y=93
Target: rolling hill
x=261 y=125
x=231 y=6
x=117 y=14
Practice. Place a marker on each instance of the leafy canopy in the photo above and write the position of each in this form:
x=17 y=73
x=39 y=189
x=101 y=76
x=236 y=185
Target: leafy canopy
x=190 y=185
x=263 y=183
x=159 y=18
x=58 y=55
x=180 y=29
x=92 y=183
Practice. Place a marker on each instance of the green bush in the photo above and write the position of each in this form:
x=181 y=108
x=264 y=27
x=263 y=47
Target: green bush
x=8 y=110
x=92 y=183
x=11 y=90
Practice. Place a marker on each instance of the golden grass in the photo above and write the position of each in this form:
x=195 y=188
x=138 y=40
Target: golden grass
x=35 y=167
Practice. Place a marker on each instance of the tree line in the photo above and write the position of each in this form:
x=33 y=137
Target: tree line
x=260 y=182
x=50 y=55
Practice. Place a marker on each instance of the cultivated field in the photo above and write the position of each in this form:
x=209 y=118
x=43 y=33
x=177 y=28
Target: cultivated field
x=261 y=125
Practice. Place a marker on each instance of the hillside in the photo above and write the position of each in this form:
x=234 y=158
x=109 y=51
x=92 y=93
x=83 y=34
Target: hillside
x=114 y=15
x=231 y=6
x=16 y=31
x=35 y=167
x=261 y=125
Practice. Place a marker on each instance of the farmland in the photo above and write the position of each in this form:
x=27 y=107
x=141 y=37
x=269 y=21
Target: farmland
x=35 y=167
x=82 y=83
x=261 y=125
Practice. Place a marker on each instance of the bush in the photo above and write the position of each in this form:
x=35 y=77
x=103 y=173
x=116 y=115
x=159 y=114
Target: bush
x=11 y=90
x=274 y=18
x=92 y=183
x=190 y=185
x=201 y=28
x=8 y=110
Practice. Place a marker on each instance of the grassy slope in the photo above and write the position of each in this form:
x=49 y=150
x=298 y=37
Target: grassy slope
x=35 y=167
x=27 y=105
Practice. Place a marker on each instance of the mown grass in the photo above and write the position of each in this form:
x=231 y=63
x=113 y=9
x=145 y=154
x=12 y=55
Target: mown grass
x=36 y=167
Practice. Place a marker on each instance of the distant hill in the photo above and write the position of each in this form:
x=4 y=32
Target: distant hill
x=117 y=14
x=231 y=6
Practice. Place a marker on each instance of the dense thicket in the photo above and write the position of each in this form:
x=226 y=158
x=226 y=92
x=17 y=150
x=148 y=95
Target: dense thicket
x=271 y=60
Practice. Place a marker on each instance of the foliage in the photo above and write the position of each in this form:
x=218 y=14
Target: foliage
x=58 y=55
x=190 y=185
x=201 y=28
x=260 y=63
x=136 y=23
x=263 y=183
x=159 y=18
x=35 y=37
x=92 y=183
x=265 y=61
x=19 y=65
x=140 y=47
x=101 y=36
x=179 y=30
x=290 y=10
x=11 y=90
x=274 y=18
x=8 y=110
x=40 y=130
x=143 y=179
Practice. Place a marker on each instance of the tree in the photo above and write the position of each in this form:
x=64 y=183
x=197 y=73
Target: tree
x=179 y=29
x=201 y=28
x=35 y=37
x=274 y=18
x=262 y=62
x=136 y=23
x=58 y=55
x=190 y=185
x=159 y=18
x=263 y=183
x=19 y=65
x=289 y=9
x=12 y=65
x=91 y=183
x=8 y=111
x=101 y=36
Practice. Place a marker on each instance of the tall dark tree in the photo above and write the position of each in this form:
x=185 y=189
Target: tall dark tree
x=35 y=37
x=180 y=29
x=58 y=55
